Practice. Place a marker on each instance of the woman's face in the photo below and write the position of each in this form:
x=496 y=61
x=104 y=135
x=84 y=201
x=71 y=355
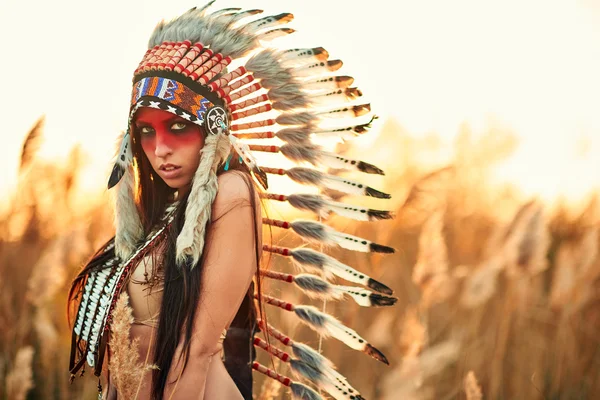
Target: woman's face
x=172 y=145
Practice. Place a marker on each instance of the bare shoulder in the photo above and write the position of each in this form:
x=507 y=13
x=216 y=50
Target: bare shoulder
x=235 y=190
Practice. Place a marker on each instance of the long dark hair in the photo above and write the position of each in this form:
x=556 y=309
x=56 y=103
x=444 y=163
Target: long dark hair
x=182 y=286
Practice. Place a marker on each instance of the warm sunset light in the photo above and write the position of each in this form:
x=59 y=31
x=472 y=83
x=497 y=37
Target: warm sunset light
x=467 y=197
x=530 y=67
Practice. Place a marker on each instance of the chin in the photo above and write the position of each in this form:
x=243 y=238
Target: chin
x=177 y=184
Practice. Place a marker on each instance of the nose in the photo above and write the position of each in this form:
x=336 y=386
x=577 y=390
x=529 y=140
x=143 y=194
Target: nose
x=163 y=147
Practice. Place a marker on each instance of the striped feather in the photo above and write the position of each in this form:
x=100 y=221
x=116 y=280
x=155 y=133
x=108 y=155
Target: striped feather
x=303 y=392
x=324 y=181
x=327 y=83
x=312 y=260
x=338 y=390
x=314 y=155
x=224 y=11
x=274 y=34
x=323 y=206
x=336 y=96
x=295 y=57
x=311 y=357
x=316 y=287
x=347 y=132
x=318 y=68
x=244 y=14
x=317 y=232
x=122 y=161
x=327 y=325
x=346 y=112
x=268 y=22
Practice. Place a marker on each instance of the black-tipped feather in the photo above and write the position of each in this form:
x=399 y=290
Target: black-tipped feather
x=369 y=168
x=379 y=248
x=379 y=287
x=376 y=193
x=382 y=301
x=380 y=214
x=376 y=354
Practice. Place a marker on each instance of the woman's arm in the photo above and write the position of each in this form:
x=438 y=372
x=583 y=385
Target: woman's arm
x=229 y=266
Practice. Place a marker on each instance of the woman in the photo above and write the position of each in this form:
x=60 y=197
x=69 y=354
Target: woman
x=187 y=240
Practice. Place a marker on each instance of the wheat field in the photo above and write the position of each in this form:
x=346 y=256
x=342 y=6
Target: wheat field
x=499 y=295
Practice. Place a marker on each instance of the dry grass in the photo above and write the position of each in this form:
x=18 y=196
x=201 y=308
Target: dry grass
x=490 y=285
x=126 y=368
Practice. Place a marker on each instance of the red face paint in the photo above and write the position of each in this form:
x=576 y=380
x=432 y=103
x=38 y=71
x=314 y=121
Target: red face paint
x=171 y=144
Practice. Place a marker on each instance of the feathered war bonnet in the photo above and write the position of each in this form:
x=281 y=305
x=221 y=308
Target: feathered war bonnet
x=185 y=56
x=214 y=70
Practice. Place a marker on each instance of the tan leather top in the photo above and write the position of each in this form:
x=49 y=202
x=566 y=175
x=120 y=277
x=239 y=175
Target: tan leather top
x=145 y=298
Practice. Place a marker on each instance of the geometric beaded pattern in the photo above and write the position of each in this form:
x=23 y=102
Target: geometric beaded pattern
x=176 y=93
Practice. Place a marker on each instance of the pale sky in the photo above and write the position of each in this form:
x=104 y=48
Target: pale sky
x=532 y=65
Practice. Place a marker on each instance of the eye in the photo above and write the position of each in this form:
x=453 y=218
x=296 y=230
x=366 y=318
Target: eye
x=145 y=130
x=179 y=126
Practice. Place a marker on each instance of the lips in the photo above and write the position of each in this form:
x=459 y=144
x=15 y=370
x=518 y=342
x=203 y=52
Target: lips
x=169 y=171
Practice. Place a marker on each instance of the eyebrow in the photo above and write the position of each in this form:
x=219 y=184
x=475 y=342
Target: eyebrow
x=172 y=119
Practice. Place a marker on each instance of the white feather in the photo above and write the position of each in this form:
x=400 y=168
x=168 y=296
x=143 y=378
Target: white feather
x=267 y=22
x=359 y=295
x=334 y=267
x=348 y=210
x=345 y=112
x=327 y=83
x=318 y=68
x=334 y=328
x=274 y=34
x=350 y=242
x=300 y=62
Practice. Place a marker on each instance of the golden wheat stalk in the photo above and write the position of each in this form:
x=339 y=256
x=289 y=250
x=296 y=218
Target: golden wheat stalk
x=19 y=378
x=472 y=388
x=125 y=367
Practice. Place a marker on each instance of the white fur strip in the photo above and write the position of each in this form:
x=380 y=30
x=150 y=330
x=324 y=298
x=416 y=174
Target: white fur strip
x=128 y=225
x=190 y=242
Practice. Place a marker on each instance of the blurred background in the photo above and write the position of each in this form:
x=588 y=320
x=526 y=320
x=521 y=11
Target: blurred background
x=489 y=133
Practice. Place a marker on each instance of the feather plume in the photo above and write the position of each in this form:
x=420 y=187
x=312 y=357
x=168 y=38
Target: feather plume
x=299 y=135
x=319 y=68
x=314 y=155
x=309 y=356
x=303 y=392
x=299 y=57
x=237 y=18
x=336 y=96
x=224 y=11
x=122 y=161
x=348 y=132
x=309 y=259
x=274 y=34
x=322 y=206
x=268 y=22
x=315 y=287
x=327 y=325
x=339 y=390
x=325 y=181
x=346 y=112
x=327 y=83
x=317 y=232
x=301 y=118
